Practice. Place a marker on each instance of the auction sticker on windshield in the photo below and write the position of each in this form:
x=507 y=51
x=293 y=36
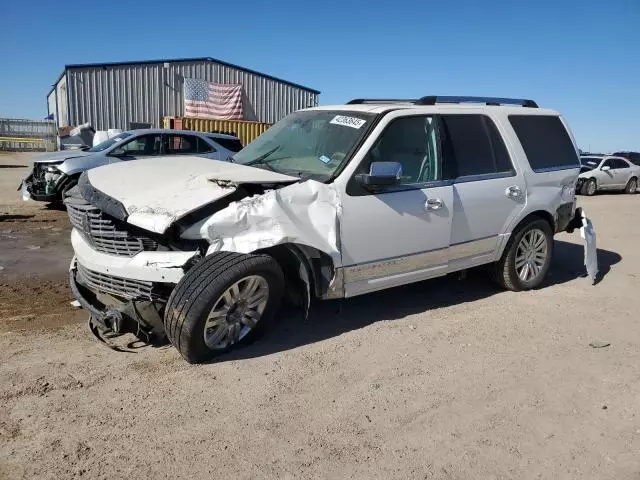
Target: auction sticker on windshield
x=352 y=122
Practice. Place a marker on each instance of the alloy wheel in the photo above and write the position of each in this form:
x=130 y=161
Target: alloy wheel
x=236 y=312
x=531 y=255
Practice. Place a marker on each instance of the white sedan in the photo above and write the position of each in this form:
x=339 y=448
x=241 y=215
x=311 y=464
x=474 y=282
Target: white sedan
x=601 y=173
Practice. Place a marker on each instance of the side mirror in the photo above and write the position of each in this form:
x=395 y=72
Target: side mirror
x=381 y=174
x=606 y=168
x=119 y=152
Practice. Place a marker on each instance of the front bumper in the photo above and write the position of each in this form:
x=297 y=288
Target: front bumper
x=125 y=294
x=143 y=317
x=30 y=193
x=38 y=186
x=161 y=267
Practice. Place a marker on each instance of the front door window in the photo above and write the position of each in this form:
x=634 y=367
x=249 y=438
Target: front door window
x=143 y=145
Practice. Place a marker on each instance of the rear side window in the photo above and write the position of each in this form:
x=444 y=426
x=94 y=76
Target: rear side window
x=617 y=163
x=204 y=147
x=633 y=157
x=232 y=144
x=180 y=144
x=545 y=142
x=473 y=146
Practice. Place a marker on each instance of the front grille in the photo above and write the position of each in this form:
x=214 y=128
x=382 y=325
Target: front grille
x=118 y=286
x=103 y=234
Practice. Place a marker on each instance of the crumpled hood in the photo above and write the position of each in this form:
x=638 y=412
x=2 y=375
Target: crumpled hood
x=157 y=191
x=51 y=157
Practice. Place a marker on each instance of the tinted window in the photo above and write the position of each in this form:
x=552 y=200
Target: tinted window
x=180 y=144
x=411 y=142
x=232 y=144
x=607 y=163
x=545 y=141
x=143 y=145
x=617 y=163
x=589 y=163
x=204 y=147
x=633 y=157
x=473 y=146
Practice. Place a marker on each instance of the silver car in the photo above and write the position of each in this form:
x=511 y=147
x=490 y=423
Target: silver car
x=54 y=173
x=602 y=172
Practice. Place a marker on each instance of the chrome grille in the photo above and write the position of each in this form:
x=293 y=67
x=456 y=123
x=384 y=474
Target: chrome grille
x=103 y=234
x=118 y=286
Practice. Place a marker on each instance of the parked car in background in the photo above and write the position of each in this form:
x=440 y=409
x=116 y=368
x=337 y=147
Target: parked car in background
x=54 y=173
x=331 y=202
x=633 y=157
x=604 y=172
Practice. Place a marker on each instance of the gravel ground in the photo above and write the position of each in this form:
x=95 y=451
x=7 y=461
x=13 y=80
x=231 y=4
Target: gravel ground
x=445 y=379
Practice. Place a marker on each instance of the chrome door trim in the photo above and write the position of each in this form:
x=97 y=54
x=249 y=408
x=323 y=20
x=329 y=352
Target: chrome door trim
x=395 y=265
x=390 y=267
x=473 y=248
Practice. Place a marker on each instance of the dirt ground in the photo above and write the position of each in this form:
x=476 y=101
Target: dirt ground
x=445 y=379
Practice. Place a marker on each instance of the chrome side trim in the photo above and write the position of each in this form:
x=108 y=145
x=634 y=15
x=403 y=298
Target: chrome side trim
x=391 y=267
x=555 y=169
x=394 y=266
x=336 y=287
x=484 y=176
x=473 y=248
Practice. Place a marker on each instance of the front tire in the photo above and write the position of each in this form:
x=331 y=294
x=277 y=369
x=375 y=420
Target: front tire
x=527 y=256
x=632 y=186
x=589 y=188
x=225 y=301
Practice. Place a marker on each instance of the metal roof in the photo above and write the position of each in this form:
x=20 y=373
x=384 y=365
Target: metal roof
x=178 y=60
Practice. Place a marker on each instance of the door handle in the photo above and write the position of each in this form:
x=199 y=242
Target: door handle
x=513 y=191
x=434 y=204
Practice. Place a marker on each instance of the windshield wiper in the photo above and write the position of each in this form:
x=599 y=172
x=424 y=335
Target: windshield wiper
x=263 y=156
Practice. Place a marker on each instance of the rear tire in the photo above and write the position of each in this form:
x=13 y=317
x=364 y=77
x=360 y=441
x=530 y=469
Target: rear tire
x=527 y=256
x=211 y=310
x=589 y=188
x=632 y=186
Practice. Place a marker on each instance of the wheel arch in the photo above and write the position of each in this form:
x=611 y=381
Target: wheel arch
x=529 y=217
x=308 y=271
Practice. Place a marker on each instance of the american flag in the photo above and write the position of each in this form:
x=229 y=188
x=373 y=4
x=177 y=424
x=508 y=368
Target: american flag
x=212 y=100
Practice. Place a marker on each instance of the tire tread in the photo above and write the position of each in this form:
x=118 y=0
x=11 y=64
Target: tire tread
x=196 y=288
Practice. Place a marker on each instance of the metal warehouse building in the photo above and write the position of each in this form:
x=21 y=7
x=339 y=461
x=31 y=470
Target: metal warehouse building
x=120 y=95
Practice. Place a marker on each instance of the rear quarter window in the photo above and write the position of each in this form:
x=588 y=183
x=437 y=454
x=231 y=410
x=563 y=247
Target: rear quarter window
x=545 y=141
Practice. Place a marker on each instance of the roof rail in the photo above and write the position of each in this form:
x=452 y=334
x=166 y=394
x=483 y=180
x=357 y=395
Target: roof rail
x=433 y=99
x=360 y=101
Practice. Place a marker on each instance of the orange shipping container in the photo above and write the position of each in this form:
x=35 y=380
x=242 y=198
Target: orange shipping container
x=246 y=131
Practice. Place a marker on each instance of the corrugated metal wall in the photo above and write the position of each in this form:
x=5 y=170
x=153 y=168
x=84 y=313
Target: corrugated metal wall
x=18 y=134
x=114 y=96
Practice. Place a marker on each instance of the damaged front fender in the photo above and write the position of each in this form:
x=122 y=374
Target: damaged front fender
x=304 y=213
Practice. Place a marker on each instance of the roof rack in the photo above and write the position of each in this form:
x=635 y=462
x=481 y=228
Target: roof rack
x=433 y=99
x=361 y=101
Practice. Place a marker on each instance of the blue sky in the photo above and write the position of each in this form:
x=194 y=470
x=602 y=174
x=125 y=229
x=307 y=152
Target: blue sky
x=581 y=58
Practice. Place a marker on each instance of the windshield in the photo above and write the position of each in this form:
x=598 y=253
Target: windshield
x=309 y=144
x=589 y=163
x=107 y=143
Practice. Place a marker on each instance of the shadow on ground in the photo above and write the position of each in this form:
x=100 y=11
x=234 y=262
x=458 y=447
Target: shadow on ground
x=332 y=318
x=14 y=218
x=13 y=166
x=56 y=206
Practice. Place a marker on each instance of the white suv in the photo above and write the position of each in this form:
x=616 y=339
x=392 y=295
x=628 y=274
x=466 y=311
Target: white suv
x=330 y=202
